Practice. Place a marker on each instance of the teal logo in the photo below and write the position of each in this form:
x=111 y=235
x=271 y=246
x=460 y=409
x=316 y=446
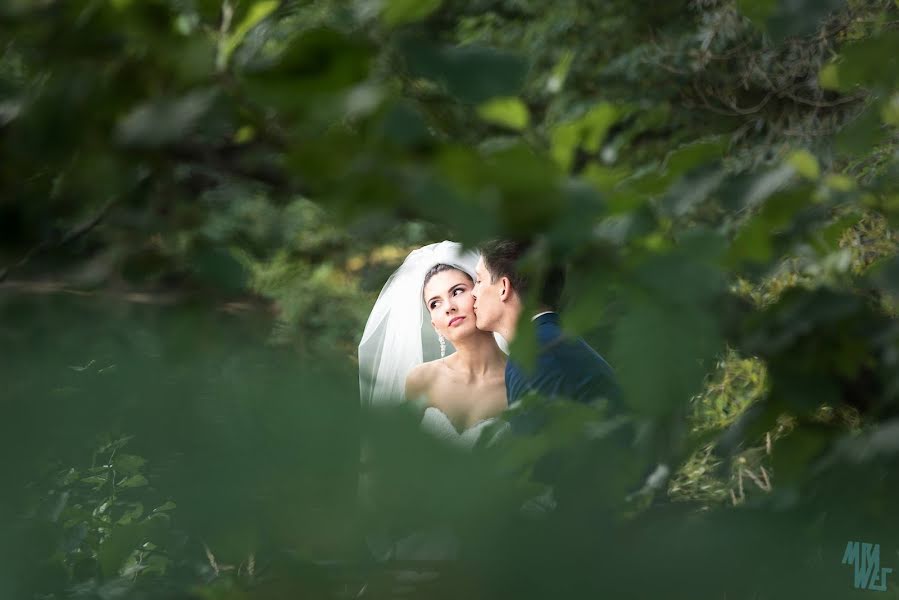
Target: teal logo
x=865 y=559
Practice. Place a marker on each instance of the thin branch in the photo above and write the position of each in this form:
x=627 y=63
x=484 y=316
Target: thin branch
x=216 y=158
x=70 y=236
x=734 y=109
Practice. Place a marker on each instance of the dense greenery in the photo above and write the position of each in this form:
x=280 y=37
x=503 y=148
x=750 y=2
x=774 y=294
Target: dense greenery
x=200 y=200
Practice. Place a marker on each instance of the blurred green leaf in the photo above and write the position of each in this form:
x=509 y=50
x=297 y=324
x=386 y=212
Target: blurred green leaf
x=786 y=18
x=128 y=463
x=506 y=112
x=258 y=11
x=866 y=131
x=693 y=155
x=133 y=482
x=793 y=456
x=587 y=131
x=472 y=74
x=96 y=479
x=679 y=351
x=219 y=267
x=870 y=62
x=805 y=164
x=399 y=12
x=312 y=64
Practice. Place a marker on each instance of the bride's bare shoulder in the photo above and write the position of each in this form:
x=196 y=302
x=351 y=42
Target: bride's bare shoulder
x=419 y=378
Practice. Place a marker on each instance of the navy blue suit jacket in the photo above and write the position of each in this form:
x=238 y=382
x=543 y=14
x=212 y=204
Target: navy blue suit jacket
x=565 y=367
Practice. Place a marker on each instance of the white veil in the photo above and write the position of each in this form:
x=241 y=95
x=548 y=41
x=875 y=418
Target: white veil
x=398 y=335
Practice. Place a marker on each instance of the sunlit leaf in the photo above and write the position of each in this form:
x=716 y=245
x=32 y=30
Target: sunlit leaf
x=506 y=112
x=588 y=132
x=258 y=11
x=805 y=164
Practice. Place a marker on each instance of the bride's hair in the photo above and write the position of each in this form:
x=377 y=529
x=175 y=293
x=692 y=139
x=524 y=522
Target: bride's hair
x=440 y=268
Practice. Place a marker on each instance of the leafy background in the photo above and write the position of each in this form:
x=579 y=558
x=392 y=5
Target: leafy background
x=199 y=202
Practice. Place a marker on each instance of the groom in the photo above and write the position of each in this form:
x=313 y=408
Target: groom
x=565 y=367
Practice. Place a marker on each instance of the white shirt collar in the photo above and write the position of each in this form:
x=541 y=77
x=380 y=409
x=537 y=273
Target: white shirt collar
x=538 y=315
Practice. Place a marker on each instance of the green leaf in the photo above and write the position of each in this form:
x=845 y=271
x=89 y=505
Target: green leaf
x=753 y=242
x=839 y=182
x=827 y=239
x=219 y=267
x=587 y=132
x=168 y=505
x=865 y=132
x=121 y=542
x=829 y=77
x=95 y=479
x=473 y=74
x=404 y=125
x=757 y=10
x=872 y=62
x=398 y=12
x=884 y=274
x=133 y=482
x=793 y=455
x=560 y=73
x=314 y=63
x=890 y=111
x=693 y=155
x=135 y=512
x=678 y=352
x=506 y=112
x=805 y=164
x=691 y=190
x=258 y=11
x=787 y=18
x=128 y=464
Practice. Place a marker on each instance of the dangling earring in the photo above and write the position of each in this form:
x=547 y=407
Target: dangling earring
x=442 y=346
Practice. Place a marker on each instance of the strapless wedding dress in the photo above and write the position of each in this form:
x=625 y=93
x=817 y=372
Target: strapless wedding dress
x=436 y=543
x=439 y=425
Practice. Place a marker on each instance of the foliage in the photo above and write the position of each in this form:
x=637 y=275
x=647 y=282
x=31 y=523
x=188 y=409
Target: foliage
x=719 y=175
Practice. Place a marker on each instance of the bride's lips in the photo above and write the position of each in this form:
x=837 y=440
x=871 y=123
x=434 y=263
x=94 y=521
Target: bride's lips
x=455 y=320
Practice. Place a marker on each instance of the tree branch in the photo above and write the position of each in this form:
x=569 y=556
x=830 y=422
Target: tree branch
x=70 y=236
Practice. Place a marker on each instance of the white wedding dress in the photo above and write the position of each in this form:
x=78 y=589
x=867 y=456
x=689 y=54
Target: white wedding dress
x=435 y=543
x=436 y=423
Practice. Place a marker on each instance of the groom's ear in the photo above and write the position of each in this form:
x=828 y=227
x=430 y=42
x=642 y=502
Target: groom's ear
x=505 y=291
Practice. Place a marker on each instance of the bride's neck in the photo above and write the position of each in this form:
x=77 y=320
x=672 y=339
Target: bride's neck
x=477 y=354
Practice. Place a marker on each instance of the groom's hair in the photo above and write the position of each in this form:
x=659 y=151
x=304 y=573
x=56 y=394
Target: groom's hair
x=502 y=259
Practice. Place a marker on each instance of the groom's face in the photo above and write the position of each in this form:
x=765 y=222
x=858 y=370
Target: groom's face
x=487 y=298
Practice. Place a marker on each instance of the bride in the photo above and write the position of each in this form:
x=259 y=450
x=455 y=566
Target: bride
x=421 y=343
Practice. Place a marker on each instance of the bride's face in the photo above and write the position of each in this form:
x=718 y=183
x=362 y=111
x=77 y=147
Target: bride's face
x=449 y=301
